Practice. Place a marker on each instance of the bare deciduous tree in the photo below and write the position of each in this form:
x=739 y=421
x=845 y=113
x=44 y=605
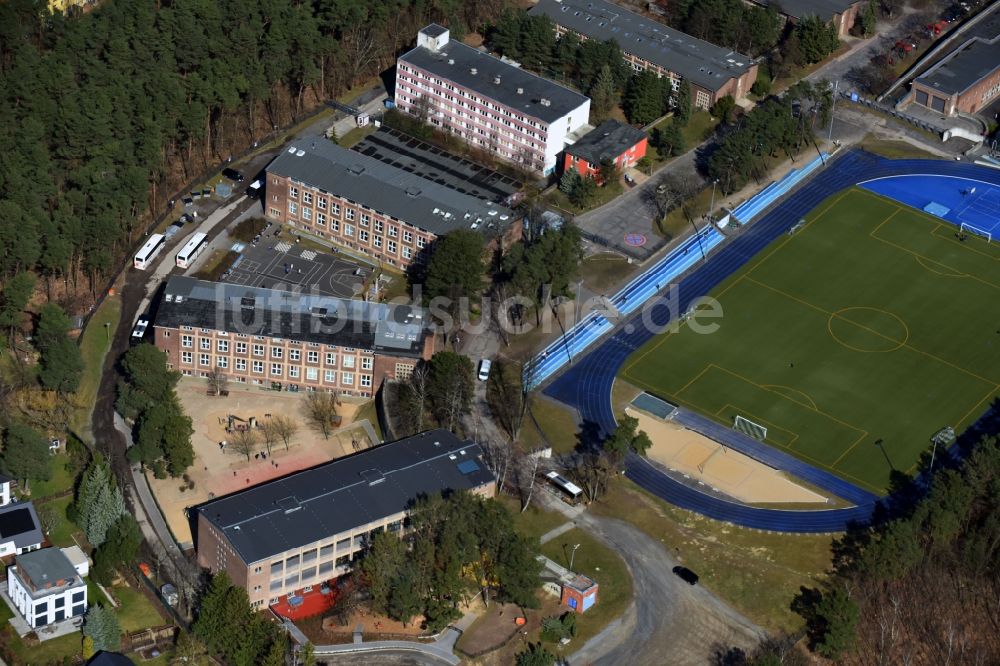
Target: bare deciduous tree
x=245 y=442
x=419 y=388
x=529 y=466
x=217 y=381
x=321 y=411
x=269 y=434
x=285 y=428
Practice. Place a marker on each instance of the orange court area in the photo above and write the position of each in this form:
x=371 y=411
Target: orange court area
x=717 y=467
x=218 y=470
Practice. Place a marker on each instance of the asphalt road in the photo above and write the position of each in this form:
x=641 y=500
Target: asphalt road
x=669 y=621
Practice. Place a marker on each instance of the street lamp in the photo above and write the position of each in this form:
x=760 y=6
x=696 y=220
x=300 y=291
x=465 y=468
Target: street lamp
x=711 y=206
x=572 y=555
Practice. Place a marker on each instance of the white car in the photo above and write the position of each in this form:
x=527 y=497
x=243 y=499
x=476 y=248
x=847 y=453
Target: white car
x=484 y=369
x=139 y=332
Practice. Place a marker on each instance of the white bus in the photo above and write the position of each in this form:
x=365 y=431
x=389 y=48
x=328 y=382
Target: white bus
x=572 y=491
x=194 y=247
x=148 y=252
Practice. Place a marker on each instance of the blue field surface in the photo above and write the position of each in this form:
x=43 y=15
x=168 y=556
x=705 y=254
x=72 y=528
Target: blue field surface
x=971 y=201
x=586 y=385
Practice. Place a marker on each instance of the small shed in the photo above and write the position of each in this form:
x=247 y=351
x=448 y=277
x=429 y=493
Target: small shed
x=169 y=594
x=78 y=559
x=576 y=591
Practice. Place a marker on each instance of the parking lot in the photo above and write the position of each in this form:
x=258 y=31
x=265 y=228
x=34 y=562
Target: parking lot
x=282 y=263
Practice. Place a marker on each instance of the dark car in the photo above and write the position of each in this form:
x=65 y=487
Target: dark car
x=233 y=175
x=686 y=575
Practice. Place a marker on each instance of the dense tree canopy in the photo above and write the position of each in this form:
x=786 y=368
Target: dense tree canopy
x=26 y=454
x=460 y=545
x=230 y=627
x=104 y=115
x=61 y=363
x=162 y=431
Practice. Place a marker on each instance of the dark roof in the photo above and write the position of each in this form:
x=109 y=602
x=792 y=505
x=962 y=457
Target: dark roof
x=456 y=62
x=824 y=9
x=103 y=658
x=388 y=190
x=702 y=63
x=435 y=30
x=609 y=140
x=964 y=67
x=19 y=523
x=5 y=479
x=45 y=567
x=427 y=161
x=302 y=316
x=343 y=494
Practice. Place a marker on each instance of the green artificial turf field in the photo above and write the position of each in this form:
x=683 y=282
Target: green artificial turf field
x=871 y=322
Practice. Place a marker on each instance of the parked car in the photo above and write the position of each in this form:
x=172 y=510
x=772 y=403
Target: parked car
x=484 y=369
x=233 y=175
x=686 y=575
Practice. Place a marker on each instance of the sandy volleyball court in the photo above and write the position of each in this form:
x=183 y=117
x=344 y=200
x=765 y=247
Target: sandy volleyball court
x=726 y=470
x=217 y=471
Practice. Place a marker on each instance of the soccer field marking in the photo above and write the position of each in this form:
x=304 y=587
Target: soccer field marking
x=969 y=244
x=779 y=387
x=839 y=315
x=874 y=332
x=920 y=260
x=903 y=248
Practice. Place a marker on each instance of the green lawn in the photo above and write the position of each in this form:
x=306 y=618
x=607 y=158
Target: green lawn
x=600 y=563
x=867 y=324
x=61 y=534
x=61 y=480
x=93 y=347
x=135 y=611
x=534 y=521
x=759 y=573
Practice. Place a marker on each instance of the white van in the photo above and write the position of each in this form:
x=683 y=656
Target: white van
x=484 y=369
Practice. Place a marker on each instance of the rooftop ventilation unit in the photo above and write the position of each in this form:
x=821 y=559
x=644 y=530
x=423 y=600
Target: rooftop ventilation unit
x=317 y=311
x=179 y=299
x=170 y=298
x=545 y=102
x=496 y=79
x=356 y=169
x=288 y=504
x=473 y=71
x=291 y=149
x=451 y=61
x=413 y=191
x=300 y=153
x=520 y=91
x=248 y=303
x=372 y=476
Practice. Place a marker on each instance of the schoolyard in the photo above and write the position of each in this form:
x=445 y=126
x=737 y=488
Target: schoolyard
x=219 y=470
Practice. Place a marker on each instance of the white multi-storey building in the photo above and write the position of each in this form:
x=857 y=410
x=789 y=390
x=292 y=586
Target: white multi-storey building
x=46 y=588
x=492 y=104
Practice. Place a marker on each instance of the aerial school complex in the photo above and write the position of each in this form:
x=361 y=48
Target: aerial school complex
x=859 y=322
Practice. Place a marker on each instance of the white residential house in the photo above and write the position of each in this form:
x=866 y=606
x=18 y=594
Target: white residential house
x=46 y=588
x=20 y=531
x=6 y=494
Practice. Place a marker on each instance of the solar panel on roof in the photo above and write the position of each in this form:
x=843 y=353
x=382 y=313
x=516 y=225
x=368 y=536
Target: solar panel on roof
x=468 y=466
x=16 y=522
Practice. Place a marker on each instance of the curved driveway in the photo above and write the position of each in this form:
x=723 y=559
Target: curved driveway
x=586 y=386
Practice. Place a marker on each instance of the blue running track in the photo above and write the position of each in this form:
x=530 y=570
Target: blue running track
x=586 y=385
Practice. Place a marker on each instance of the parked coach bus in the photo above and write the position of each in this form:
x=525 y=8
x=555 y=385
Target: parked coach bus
x=148 y=252
x=194 y=247
x=572 y=492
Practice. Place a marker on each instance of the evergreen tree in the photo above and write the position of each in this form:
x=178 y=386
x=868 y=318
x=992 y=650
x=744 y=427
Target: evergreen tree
x=455 y=269
x=101 y=626
x=61 y=364
x=669 y=139
x=868 y=19
x=535 y=655
x=14 y=299
x=643 y=100
x=26 y=454
x=602 y=96
x=381 y=567
x=569 y=181
x=817 y=38
x=99 y=503
x=683 y=103
x=839 y=615
x=119 y=549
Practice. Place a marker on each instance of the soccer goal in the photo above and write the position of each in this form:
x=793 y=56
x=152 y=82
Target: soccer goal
x=749 y=428
x=968 y=228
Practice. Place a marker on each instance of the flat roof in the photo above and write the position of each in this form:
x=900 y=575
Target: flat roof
x=607 y=141
x=19 y=523
x=389 y=190
x=824 y=9
x=422 y=159
x=292 y=315
x=456 y=62
x=702 y=63
x=964 y=67
x=341 y=495
x=44 y=568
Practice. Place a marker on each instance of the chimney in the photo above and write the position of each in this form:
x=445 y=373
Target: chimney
x=520 y=91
